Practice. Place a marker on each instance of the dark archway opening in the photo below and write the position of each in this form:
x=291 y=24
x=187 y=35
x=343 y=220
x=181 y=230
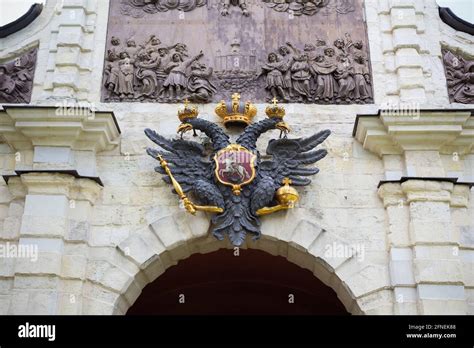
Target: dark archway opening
x=253 y=283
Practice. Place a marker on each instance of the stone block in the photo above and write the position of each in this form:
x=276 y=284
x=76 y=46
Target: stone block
x=94 y=307
x=69 y=304
x=367 y=279
x=115 y=195
x=73 y=266
x=405 y=38
x=138 y=250
x=438 y=271
x=441 y=292
x=79 y=210
x=435 y=232
x=305 y=233
x=46 y=205
x=407 y=58
x=78 y=231
x=5 y=301
x=443 y=307
x=5 y=195
x=168 y=232
x=467 y=259
x=7 y=266
x=403 y=18
x=36 y=282
x=108 y=235
x=16 y=208
x=401 y=267
x=85 y=163
x=107 y=274
x=42 y=303
x=11 y=228
x=51 y=226
x=53 y=155
x=398 y=222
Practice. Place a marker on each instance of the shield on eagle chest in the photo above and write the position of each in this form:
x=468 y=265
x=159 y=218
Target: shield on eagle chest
x=235 y=166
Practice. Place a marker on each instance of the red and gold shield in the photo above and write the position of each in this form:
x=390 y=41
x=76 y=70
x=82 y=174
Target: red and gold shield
x=235 y=166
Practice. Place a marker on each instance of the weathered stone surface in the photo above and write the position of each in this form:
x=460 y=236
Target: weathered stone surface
x=404 y=39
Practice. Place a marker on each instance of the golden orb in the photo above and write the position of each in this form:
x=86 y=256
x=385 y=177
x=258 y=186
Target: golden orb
x=287 y=195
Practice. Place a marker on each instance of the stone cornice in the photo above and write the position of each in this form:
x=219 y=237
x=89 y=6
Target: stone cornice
x=74 y=173
x=446 y=131
x=55 y=183
x=416 y=190
x=24 y=127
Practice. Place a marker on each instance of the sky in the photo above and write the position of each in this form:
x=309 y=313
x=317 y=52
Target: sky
x=12 y=9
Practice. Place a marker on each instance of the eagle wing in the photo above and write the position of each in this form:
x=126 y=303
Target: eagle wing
x=289 y=160
x=189 y=165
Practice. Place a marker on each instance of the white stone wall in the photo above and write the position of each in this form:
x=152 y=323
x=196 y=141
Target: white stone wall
x=100 y=246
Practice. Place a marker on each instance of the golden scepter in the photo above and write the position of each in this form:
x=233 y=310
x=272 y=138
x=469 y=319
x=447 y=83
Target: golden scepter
x=190 y=206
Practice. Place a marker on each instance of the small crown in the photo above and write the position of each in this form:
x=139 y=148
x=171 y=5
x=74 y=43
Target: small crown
x=188 y=112
x=236 y=112
x=274 y=110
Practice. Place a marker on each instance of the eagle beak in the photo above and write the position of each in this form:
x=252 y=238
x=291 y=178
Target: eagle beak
x=184 y=127
x=283 y=126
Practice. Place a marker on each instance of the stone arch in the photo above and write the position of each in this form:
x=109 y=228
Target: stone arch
x=146 y=254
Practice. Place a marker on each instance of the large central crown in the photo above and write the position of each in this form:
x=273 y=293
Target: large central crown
x=236 y=112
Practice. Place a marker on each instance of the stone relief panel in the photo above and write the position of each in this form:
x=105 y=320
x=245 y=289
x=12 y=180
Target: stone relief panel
x=205 y=50
x=139 y=8
x=460 y=77
x=16 y=78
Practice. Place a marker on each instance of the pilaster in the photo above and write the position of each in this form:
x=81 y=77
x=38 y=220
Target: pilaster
x=426 y=203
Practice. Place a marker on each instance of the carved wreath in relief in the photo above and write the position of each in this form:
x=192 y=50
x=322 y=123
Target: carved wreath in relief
x=16 y=78
x=460 y=78
x=138 y=8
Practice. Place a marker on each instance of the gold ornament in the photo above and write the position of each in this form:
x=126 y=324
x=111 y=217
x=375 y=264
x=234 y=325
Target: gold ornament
x=236 y=112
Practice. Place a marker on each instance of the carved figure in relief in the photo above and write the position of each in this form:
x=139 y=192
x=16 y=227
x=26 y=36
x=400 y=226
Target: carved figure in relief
x=274 y=76
x=124 y=85
x=323 y=69
x=301 y=75
x=147 y=65
x=237 y=3
x=316 y=74
x=132 y=48
x=287 y=54
x=199 y=86
x=344 y=77
x=362 y=90
x=112 y=70
x=176 y=82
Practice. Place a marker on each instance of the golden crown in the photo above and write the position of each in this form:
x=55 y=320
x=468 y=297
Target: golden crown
x=236 y=112
x=274 y=110
x=187 y=112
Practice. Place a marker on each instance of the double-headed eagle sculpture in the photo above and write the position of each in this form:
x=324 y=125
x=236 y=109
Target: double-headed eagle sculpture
x=231 y=180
